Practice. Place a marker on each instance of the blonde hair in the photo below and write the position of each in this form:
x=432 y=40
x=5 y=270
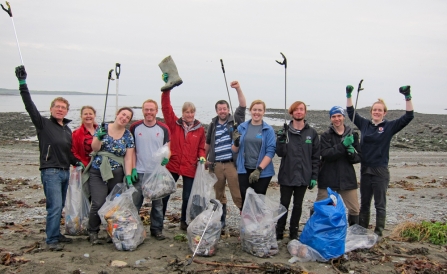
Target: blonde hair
x=150 y=101
x=88 y=107
x=379 y=101
x=188 y=105
x=60 y=99
x=257 y=102
x=295 y=105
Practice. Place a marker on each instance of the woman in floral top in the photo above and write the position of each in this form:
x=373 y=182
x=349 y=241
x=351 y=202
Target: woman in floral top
x=113 y=147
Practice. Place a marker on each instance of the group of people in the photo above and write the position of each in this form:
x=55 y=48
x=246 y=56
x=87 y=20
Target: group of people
x=238 y=152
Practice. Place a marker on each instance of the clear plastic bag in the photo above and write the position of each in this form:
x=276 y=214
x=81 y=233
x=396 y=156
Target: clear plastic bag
x=77 y=205
x=257 y=225
x=120 y=216
x=208 y=245
x=200 y=193
x=159 y=183
x=303 y=253
x=359 y=237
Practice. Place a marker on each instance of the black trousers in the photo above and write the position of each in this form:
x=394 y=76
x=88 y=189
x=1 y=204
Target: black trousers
x=286 y=195
x=373 y=186
x=260 y=187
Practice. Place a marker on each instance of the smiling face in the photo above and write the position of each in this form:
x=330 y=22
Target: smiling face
x=188 y=115
x=222 y=111
x=59 y=110
x=337 y=120
x=150 y=111
x=377 y=113
x=257 y=113
x=123 y=117
x=299 y=113
x=88 y=116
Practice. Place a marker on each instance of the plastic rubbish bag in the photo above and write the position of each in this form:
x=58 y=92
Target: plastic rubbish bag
x=359 y=237
x=208 y=245
x=159 y=183
x=257 y=225
x=200 y=193
x=303 y=253
x=77 y=205
x=120 y=216
x=325 y=231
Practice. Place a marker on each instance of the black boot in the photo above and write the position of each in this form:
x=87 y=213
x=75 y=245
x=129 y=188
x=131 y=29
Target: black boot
x=380 y=224
x=353 y=219
x=93 y=238
x=293 y=233
x=364 y=219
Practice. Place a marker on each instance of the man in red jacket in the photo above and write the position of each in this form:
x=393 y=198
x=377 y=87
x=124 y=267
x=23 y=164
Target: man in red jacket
x=187 y=138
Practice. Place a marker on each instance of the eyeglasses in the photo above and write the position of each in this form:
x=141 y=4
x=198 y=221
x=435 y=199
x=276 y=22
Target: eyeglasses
x=60 y=107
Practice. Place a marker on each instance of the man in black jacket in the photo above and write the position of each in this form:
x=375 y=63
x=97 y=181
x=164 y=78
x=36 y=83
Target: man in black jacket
x=340 y=150
x=299 y=149
x=54 y=137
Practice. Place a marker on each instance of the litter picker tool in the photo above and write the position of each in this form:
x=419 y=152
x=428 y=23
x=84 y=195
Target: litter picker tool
x=107 y=95
x=357 y=98
x=9 y=12
x=226 y=85
x=284 y=63
x=211 y=216
x=117 y=74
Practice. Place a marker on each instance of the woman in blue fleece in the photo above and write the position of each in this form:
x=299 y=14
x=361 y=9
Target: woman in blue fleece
x=375 y=142
x=255 y=141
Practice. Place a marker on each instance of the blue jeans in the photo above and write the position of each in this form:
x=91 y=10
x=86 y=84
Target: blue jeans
x=187 y=186
x=55 y=185
x=157 y=214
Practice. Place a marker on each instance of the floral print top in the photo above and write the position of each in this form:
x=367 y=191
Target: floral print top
x=117 y=147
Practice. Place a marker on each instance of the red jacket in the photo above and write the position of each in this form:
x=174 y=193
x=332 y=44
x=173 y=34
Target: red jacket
x=185 y=150
x=79 y=147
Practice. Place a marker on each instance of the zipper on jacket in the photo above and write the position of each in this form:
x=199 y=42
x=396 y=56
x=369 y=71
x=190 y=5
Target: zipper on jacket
x=48 y=152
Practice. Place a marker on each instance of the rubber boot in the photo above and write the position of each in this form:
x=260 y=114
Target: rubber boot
x=167 y=65
x=353 y=219
x=293 y=233
x=380 y=224
x=364 y=219
x=223 y=218
x=93 y=238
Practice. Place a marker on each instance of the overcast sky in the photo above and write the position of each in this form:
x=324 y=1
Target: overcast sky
x=71 y=45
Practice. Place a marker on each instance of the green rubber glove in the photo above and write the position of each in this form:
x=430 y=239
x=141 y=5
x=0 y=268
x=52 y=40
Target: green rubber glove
x=281 y=136
x=80 y=164
x=349 y=140
x=165 y=77
x=129 y=180
x=202 y=160
x=101 y=133
x=165 y=161
x=254 y=176
x=350 y=149
x=134 y=175
x=349 y=90
x=21 y=75
x=312 y=184
x=406 y=90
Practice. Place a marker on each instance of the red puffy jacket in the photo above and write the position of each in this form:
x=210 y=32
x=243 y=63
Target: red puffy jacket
x=81 y=145
x=185 y=149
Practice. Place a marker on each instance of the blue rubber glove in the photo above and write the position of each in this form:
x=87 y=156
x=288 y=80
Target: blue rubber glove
x=165 y=161
x=349 y=90
x=134 y=175
x=312 y=184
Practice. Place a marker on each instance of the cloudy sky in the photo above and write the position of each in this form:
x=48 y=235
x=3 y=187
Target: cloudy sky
x=71 y=45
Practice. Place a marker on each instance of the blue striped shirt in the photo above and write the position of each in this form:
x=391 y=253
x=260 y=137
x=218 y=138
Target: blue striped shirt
x=222 y=143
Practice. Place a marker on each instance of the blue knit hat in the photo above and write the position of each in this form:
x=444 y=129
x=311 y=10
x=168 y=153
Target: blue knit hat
x=335 y=110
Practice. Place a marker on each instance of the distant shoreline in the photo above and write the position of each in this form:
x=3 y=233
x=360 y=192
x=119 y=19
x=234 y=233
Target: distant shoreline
x=15 y=92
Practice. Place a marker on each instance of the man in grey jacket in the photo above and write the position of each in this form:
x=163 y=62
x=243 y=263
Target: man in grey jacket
x=220 y=158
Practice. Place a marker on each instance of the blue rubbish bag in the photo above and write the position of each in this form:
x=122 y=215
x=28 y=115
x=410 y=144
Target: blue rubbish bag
x=325 y=231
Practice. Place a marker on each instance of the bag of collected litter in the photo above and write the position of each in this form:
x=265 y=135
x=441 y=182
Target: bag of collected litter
x=303 y=253
x=120 y=216
x=77 y=205
x=208 y=245
x=325 y=231
x=359 y=237
x=200 y=192
x=159 y=183
x=257 y=225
